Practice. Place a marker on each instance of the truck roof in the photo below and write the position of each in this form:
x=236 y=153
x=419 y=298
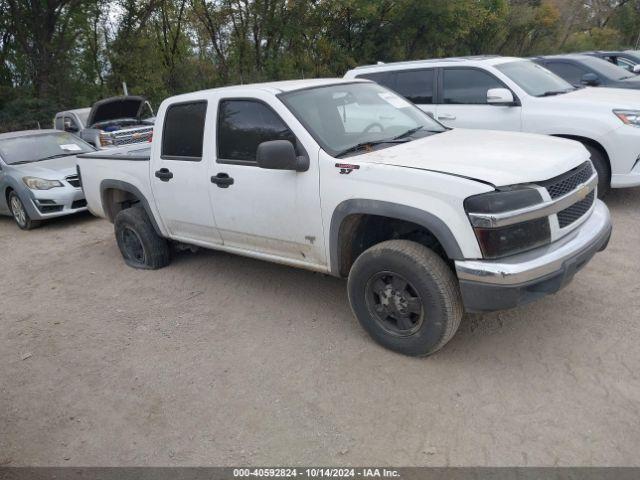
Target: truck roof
x=274 y=87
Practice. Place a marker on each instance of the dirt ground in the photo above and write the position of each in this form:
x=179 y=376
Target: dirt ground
x=224 y=360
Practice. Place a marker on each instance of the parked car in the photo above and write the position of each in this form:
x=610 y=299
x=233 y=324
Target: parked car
x=627 y=59
x=72 y=121
x=348 y=178
x=585 y=70
x=112 y=122
x=503 y=93
x=38 y=177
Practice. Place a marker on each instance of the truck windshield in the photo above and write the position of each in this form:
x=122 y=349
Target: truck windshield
x=353 y=117
x=41 y=146
x=534 y=79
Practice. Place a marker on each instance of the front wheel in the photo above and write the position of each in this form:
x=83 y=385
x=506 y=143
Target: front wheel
x=406 y=297
x=601 y=165
x=140 y=245
x=20 y=214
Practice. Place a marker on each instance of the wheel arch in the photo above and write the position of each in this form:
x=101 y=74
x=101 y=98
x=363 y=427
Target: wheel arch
x=117 y=195
x=347 y=219
x=595 y=144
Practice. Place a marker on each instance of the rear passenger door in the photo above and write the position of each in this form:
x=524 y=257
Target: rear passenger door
x=179 y=174
x=416 y=85
x=462 y=101
x=261 y=211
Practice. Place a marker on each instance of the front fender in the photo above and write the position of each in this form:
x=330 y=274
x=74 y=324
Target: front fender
x=434 y=224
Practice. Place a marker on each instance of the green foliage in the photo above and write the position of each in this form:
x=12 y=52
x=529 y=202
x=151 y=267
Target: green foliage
x=63 y=54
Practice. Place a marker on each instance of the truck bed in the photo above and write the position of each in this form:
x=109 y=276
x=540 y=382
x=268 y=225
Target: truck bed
x=131 y=153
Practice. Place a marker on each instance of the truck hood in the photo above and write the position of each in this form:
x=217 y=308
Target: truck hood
x=495 y=157
x=116 y=108
x=54 y=169
x=609 y=98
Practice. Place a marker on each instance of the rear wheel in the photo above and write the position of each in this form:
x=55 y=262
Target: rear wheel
x=140 y=245
x=20 y=214
x=406 y=297
x=601 y=165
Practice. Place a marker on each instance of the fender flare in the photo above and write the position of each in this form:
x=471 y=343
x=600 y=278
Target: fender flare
x=393 y=210
x=127 y=187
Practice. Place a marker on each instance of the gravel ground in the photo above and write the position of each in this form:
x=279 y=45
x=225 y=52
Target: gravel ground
x=224 y=360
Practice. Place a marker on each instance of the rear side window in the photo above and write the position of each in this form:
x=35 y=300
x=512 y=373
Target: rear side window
x=183 y=131
x=415 y=85
x=570 y=73
x=468 y=86
x=245 y=124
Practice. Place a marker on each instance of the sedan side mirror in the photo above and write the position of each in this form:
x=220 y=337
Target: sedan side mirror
x=636 y=68
x=590 y=79
x=280 y=155
x=500 y=96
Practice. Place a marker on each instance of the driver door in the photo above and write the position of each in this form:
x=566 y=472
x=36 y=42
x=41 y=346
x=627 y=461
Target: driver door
x=270 y=212
x=462 y=101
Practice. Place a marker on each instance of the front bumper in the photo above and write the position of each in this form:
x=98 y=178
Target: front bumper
x=489 y=285
x=55 y=202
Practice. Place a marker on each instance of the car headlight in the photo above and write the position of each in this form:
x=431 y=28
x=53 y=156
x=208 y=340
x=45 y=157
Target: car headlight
x=629 y=117
x=35 y=183
x=496 y=242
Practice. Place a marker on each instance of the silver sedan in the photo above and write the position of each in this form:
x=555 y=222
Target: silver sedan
x=38 y=177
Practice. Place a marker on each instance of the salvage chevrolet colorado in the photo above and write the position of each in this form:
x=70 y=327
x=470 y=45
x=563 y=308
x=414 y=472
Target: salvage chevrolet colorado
x=349 y=179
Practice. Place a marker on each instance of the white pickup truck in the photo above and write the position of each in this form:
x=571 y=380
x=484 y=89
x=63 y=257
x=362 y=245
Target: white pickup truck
x=350 y=179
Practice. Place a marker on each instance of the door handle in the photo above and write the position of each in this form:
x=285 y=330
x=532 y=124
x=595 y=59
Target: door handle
x=223 y=180
x=164 y=174
x=446 y=116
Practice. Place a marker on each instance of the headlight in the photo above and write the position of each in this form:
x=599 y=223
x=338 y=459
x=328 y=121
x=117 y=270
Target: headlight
x=498 y=242
x=629 y=117
x=35 y=183
x=105 y=140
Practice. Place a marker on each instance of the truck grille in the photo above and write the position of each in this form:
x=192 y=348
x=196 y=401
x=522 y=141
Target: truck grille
x=568 y=182
x=128 y=137
x=570 y=214
x=74 y=180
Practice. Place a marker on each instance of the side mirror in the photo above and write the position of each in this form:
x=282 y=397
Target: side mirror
x=280 y=155
x=590 y=79
x=636 y=68
x=68 y=127
x=500 y=96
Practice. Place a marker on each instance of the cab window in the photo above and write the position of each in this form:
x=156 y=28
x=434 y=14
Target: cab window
x=183 y=131
x=243 y=124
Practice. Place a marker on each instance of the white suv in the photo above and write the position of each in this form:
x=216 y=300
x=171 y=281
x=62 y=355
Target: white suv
x=504 y=93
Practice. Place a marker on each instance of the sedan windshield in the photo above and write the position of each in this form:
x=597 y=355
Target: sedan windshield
x=41 y=146
x=353 y=117
x=534 y=79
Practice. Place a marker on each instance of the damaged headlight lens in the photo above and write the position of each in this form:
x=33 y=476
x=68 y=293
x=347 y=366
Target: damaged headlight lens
x=499 y=241
x=629 y=117
x=35 y=183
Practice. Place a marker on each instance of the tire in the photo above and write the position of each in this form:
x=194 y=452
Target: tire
x=381 y=301
x=601 y=165
x=140 y=245
x=20 y=214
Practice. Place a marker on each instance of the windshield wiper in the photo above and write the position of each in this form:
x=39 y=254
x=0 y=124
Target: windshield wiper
x=556 y=92
x=408 y=133
x=57 y=155
x=362 y=145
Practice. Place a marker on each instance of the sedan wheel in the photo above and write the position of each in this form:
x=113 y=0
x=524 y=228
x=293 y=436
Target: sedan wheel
x=20 y=214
